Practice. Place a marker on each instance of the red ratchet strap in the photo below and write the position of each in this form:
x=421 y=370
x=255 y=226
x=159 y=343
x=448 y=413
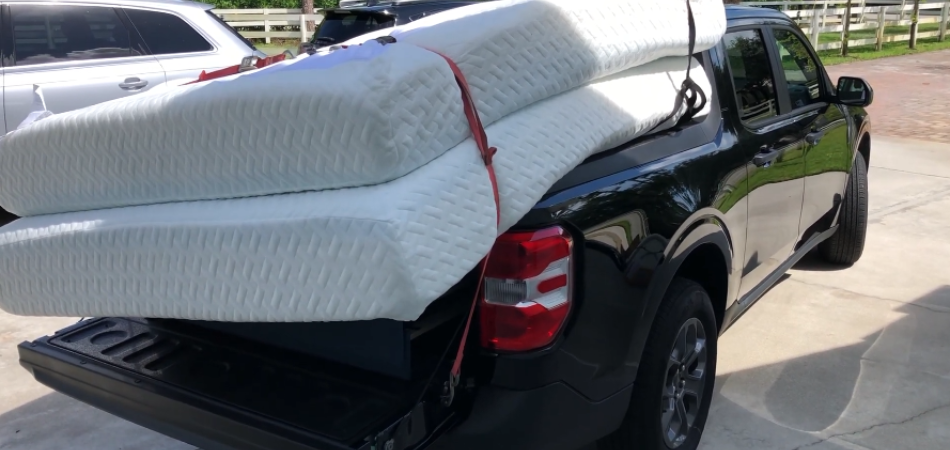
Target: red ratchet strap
x=478 y=131
x=481 y=140
x=228 y=71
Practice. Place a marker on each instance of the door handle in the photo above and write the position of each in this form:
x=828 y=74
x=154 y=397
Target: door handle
x=132 y=84
x=766 y=157
x=814 y=138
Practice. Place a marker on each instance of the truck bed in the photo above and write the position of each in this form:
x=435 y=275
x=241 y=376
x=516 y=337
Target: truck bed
x=221 y=390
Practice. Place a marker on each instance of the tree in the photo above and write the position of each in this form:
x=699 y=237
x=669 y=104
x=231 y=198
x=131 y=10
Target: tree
x=306 y=7
x=913 y=25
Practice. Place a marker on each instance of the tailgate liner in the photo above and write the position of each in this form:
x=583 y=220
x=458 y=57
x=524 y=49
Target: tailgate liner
x=220 y=392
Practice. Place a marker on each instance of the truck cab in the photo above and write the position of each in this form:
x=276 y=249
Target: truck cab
x=665 y=242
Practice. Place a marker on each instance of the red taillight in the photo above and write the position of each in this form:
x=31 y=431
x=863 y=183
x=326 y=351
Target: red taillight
x=527 y=290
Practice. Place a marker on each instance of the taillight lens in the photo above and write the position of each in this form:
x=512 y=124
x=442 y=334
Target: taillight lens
x=527 y=290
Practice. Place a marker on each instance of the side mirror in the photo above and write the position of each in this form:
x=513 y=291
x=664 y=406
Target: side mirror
x=853 y=91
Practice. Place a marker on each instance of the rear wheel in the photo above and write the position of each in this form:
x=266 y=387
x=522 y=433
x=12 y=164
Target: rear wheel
x=847 y=244
x=674 y=386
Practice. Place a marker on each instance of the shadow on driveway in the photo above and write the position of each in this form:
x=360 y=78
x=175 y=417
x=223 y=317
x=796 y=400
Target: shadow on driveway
x=888 y=390
x=55 y=421
x=813 y=262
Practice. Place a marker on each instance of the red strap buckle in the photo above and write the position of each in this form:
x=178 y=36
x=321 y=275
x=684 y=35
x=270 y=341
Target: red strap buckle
x=489 y=155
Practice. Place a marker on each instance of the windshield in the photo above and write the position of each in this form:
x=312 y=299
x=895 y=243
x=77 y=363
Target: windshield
x=232 y=30
x=341 y=26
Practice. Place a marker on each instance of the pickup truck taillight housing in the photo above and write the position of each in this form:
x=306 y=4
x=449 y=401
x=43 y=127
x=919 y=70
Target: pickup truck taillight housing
x=527 y=291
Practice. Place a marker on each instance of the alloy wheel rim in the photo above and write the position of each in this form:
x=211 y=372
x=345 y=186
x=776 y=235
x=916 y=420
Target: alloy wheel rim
x=684 y=384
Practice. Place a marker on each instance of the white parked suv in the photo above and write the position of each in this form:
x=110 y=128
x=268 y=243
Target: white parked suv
x=83 y=52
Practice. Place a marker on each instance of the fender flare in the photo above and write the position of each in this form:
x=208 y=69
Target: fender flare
x=863 y=132
x=704 y=228
x=862 y=129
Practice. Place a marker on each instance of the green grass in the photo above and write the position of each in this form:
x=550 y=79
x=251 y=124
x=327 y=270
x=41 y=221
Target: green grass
x=866 y=52
x=832 y=57
x=276 y=48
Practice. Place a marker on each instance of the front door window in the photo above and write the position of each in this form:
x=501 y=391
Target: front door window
x=801 y=70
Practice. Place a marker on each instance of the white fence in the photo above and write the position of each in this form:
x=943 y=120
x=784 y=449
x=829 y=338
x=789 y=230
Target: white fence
x=814 y=16
x=276 y=23
x=828 y=16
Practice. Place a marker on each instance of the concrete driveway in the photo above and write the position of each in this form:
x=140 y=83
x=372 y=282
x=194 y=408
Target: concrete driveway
x=829 y=359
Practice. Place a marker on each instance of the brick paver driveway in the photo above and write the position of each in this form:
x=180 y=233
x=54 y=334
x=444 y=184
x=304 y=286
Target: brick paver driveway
x=911 y=94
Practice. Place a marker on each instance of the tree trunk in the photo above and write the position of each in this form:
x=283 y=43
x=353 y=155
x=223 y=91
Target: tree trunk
x=846 y=36
x=913 y=24
x=306 y=7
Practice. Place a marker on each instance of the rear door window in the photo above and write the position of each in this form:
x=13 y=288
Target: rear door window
x=752 y=75
x=167 y=34
x=56 y=33
x=339 y=26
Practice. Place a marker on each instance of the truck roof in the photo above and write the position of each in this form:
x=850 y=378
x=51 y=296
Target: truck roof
x=736 y=12
x=379 y=6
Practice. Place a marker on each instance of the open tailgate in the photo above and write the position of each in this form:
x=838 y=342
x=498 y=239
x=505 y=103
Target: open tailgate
x=218 y=391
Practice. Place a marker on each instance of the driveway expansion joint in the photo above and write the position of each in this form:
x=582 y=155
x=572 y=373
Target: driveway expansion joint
x=930 y=308
x=909 y=172
x=872 y=427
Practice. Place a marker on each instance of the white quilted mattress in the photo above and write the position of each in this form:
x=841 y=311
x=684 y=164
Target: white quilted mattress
x=356 y=117
x=382 y=251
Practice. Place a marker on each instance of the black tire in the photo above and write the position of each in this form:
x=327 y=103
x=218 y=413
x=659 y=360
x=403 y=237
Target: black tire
x=685 y=304
x=846 y=246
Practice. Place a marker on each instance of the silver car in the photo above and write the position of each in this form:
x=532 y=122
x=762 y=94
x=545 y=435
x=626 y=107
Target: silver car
x=87 y=52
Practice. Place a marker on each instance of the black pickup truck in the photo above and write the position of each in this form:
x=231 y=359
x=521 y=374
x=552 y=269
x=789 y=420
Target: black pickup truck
x=667 y=240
